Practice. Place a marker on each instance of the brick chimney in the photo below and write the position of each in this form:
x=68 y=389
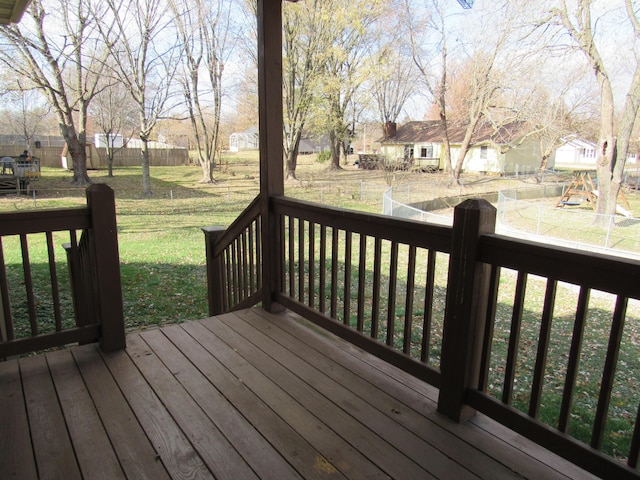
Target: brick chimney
x=390 y=129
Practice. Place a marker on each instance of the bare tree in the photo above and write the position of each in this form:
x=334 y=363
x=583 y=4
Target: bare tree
x=428 y=34
x=55 y=49
x=27 y=113
x=347 y=39
x=114 y=113
x=144 y=53
x=614 y=136
x=302 y=69
x=480 y=67
x=204 y=29
x=393 y=82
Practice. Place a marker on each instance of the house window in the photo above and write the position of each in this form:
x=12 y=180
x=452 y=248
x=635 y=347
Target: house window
x=588 y=152
x=483 y=152
x=426 y=152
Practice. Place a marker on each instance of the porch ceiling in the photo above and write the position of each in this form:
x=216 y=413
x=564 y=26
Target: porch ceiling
x=11 y=10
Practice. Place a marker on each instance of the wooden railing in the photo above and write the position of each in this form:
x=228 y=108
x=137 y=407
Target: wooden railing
x=234 y=262
x=34 y=301
x=450 y=306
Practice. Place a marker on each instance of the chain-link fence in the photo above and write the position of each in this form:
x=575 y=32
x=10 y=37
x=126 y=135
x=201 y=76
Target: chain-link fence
x=528 y=212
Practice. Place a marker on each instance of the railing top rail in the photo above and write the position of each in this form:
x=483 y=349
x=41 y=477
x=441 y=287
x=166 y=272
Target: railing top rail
x=239 y=224
x=410 y=232
x=16 y=223
x=608 y=273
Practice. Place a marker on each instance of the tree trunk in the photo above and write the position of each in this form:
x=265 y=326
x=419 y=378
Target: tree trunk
x=462 y=153
x=336 y=146
x=292 y=162
x=78 y=153
x=146 y=175
x=607 y=190
x=544 y=162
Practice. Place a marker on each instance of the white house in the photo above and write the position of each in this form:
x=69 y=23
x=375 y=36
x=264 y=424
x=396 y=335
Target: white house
x=577 y=154
x=115 y=140
x=247 y=140
x=503 y=150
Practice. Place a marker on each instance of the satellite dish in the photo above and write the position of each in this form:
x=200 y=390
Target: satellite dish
x=466 y=3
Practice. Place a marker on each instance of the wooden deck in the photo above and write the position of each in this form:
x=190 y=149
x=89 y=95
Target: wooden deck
x=241 y=396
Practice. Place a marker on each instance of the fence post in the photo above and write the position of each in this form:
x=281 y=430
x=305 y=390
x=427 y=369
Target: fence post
x=215 y=270
x=467 y=295
x=104 y=239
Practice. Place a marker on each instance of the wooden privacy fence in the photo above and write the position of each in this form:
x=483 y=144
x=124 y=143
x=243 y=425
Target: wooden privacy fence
x=34 y=303
x=450 y=305
x=158 y=157
x=126 y=157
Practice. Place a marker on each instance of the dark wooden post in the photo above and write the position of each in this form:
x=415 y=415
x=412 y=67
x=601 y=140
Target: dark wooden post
x=104 y=238
x=271 y=149
x=467 y=294
x=215 y=270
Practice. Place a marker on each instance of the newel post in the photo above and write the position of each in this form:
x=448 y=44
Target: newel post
x=106 y=259
x=215 y=270
x=467 y=295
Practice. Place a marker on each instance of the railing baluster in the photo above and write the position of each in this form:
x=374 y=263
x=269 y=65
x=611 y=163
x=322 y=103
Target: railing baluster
x=408 y=306
x=300 y=260
x=259 y=261
x=634 y=449
x=427 y=320
x=283 y=247
x=55 y=291
x=245 y=264
x=347 y=277
x=252 y=257
x=391 y=305
x=608 y=374
x=494 y=286
x=375 y=302
x=28 y=283
x=6 y=329
x=312 y=259
x=514 y=338
x=574 y=359
x=334 y=272
x=322 y=268
x=228 y=298
x=543 y=347
x=362 y=271
x=291 y=256
x=234 y=272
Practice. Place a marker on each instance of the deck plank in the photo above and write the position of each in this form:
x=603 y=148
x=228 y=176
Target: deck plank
x=244 y=395
x=247 y=440
x=339 y=455
x=16 y=455
x=178 y=455
x=368 y=409
x=292 y=446
x=136 y=454
x=54 y=453
x=414 y=429
x=218 y=453
x=96 y=458
x=394 y=463
x=518 y=454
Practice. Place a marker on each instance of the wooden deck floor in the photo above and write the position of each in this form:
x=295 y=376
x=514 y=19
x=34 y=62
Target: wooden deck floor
x=241 y=396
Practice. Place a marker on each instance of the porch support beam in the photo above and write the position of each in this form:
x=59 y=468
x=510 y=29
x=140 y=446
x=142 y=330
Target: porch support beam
x=271 y=138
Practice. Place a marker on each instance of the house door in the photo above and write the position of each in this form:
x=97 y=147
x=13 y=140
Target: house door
x=408 y=154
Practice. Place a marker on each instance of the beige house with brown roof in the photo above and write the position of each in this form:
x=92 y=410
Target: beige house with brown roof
x=504 y=150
